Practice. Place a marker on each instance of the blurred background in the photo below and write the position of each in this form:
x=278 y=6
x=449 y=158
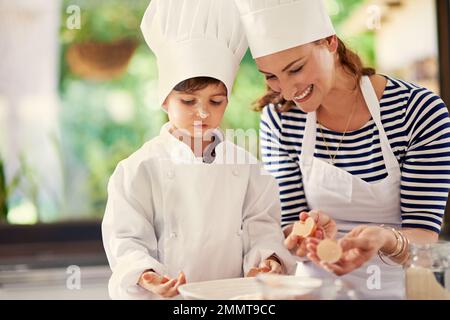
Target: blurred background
x=77 y=95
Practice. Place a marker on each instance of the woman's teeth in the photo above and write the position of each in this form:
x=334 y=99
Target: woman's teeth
x=305 y=93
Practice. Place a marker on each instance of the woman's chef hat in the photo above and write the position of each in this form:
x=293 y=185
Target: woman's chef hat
x=276 y=25
x=194 y=38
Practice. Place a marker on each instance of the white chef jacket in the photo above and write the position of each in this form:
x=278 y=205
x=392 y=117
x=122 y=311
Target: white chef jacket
x=170 y=212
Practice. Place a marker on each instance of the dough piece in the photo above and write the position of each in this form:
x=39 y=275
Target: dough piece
x=304 y=228
x=255 y=271
x=329 y=251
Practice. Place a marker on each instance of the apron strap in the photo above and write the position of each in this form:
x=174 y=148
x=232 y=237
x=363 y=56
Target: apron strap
x=375 y=110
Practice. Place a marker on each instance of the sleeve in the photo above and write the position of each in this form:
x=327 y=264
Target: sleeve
x=128 y=233
x=425 y=180
x=280 y=164
x=262 y=234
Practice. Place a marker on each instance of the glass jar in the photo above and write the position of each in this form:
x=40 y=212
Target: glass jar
x=427 y=271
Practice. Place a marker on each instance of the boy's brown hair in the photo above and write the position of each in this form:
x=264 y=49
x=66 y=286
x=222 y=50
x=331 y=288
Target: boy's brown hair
x=198 y=83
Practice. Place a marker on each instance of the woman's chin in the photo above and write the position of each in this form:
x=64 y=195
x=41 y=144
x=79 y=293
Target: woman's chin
x=307 y=107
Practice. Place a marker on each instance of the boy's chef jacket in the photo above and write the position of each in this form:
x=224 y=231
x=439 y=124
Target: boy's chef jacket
x=170 y=212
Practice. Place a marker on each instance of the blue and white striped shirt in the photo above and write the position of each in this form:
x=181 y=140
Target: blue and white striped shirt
x=417 y=124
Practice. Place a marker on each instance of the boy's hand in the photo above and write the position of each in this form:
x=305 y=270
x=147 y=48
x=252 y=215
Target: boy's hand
x=270 y=265
x=162 y=286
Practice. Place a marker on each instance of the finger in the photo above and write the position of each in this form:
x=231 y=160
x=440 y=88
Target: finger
x=265 y=264
x=168 y=285
x=163 y=289
x=276 y=268
x=182 y=278
x=252 y=273
x=301 y=250
x=152 y=278
x=303 y=216
x=292 y=241
x=171 y=293
x=165 y=279
x=313 y=241
x=320 y=218
x=335 y=268
x=319 y=233
x=273 y=266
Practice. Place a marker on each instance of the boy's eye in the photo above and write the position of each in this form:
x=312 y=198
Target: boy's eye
x=188 y=102
x=216 y=102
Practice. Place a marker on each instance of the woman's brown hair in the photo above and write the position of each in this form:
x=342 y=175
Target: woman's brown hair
x=348 y=59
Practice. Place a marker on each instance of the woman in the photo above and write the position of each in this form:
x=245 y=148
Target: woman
x=362 y=151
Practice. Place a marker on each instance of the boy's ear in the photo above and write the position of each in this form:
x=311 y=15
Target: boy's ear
x=164 y=105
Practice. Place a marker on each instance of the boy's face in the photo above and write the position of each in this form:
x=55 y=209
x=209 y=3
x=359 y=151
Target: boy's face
x=197 y=112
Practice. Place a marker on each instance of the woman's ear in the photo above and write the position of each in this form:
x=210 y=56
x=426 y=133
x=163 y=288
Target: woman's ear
x=332 y=43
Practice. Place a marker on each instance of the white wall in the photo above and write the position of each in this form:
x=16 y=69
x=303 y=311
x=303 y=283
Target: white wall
x=408 y=35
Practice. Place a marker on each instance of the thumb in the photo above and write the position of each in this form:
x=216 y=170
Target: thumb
x=265 y=264
x=354 y=243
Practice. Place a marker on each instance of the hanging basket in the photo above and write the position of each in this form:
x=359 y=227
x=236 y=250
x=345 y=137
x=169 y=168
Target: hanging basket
x=100 y=61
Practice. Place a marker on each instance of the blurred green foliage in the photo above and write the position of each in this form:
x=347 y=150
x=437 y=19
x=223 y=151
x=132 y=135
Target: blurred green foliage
x=104 y=122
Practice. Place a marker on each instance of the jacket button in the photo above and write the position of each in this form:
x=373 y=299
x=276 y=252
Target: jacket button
x=235 y=172
x=173 y=235
x=170 y=174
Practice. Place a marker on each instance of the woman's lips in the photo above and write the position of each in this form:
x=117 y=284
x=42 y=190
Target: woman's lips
x=305 y=95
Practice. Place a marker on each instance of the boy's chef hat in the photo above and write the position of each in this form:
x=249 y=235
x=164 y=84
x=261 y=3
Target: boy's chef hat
x=194 y=38
x=276 y=25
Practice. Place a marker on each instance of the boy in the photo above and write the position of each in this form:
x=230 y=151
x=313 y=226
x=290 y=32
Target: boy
x=178 y=208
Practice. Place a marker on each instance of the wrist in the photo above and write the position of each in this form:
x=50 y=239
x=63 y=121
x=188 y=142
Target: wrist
x=390 y=241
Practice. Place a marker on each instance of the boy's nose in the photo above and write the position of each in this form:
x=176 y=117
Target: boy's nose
x=202 y=112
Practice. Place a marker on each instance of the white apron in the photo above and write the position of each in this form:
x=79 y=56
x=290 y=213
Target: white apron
x=351 y=201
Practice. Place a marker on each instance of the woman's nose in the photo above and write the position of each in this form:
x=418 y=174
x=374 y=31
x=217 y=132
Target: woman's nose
x=288 y=90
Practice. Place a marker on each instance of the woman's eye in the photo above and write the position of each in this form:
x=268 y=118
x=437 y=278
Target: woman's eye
x=270 y=77
x=296 y=70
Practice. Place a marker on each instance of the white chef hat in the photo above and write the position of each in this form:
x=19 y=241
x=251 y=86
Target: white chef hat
x=276 y=25
x=194 y=38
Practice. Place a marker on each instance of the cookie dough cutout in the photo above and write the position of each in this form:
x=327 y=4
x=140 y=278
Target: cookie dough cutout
x=329 y=251
x=305 y=228
x=255 y=271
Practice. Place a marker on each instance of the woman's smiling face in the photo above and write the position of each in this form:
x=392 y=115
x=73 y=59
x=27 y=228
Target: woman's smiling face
x=303 y=74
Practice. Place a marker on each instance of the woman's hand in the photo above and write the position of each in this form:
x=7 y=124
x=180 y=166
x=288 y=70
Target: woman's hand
x=162 y=286
x=358 y=246
x=326 y=228
x=270 y=265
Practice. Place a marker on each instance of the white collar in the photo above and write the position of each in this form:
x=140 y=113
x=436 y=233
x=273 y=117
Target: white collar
x=181 y=152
